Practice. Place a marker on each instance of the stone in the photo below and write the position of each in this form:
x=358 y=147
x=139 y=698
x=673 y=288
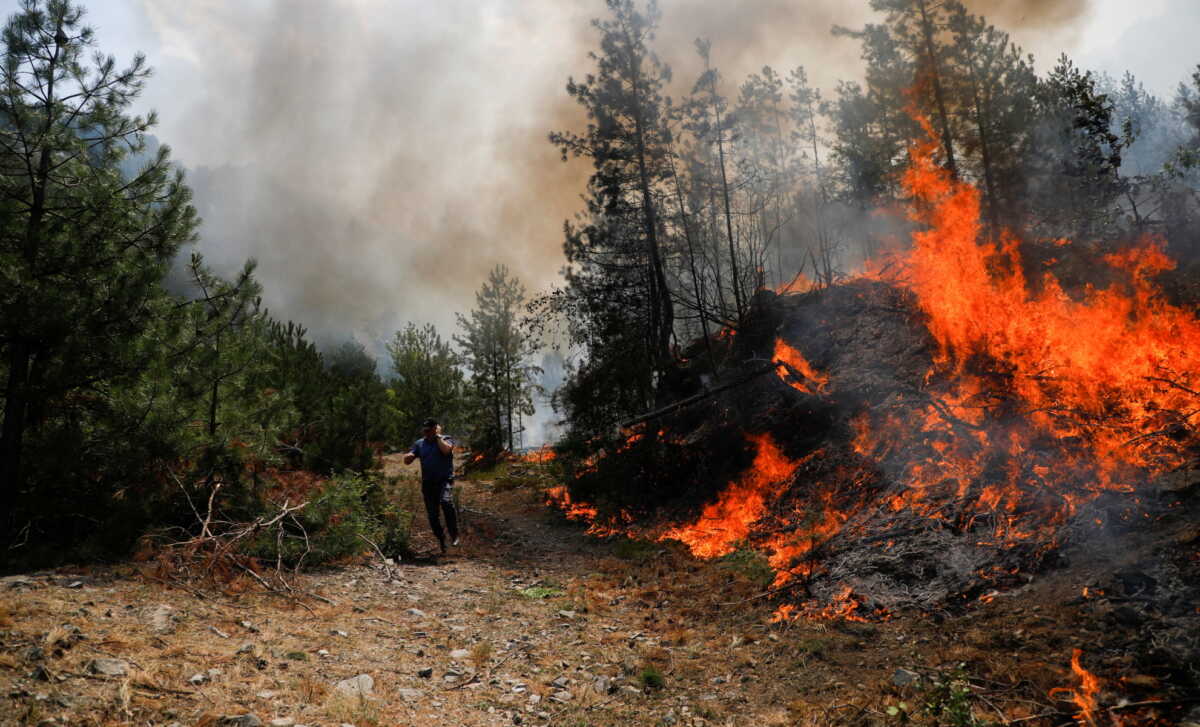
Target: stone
x=905 y=678
x=160 y=619
x=282 y=722
x=426 y=673
x=108 y=667
x=560 y=682
x=566 y=614
x=358 y=686
x=415 y=612
x=250 y=627
x=338 y=632
x=198 y=678
x=459 y=654
x=246 y=649
x=240 y=720
x=265 y=694
x=410 y=695
x=562 y=696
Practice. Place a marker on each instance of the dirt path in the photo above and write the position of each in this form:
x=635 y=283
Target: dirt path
x=528 y=622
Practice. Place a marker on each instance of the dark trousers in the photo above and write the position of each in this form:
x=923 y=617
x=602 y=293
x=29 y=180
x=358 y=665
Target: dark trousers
x=439 y=493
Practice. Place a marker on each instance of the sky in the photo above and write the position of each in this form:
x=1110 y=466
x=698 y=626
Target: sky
x=378 y=157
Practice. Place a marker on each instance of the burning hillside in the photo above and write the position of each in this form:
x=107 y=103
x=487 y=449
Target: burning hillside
x=937 y=434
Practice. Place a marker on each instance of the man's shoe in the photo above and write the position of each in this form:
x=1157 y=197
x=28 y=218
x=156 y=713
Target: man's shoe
x=455 y=543
x=443 y=544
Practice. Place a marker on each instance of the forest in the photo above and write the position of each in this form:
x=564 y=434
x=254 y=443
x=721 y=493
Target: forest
x=949 y=306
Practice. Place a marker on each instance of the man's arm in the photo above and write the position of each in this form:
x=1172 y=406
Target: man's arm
x=445 y=446
x=412 y=454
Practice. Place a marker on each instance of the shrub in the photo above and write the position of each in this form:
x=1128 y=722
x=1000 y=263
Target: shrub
x=348 y=515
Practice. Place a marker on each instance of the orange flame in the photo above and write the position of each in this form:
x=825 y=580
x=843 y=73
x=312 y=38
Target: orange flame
x=785 y=354
x=728 y=520
x=543 y=454
x=1086 y=696
x=1094 y=392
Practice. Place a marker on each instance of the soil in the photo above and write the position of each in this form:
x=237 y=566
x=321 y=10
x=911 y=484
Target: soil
x=530 y=621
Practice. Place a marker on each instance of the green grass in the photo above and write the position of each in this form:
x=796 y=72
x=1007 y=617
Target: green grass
x=536 y=592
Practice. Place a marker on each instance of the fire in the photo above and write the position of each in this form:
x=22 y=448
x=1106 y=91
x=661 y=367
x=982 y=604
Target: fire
x=544 y=454
x=792 y=364
x=1086 y=696
x=1037 y=400
x=727 y=521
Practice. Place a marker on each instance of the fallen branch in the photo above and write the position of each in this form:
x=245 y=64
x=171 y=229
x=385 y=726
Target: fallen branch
x=696 y=398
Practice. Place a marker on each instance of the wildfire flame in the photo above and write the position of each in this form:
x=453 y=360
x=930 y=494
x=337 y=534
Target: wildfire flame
x=790 y=360
x=544 y=454
x=1039 y=398
x=1086 y=696
x=1038 y=401
x=727 y=521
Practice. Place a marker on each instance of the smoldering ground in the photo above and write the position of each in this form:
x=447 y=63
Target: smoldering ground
x=378 y=158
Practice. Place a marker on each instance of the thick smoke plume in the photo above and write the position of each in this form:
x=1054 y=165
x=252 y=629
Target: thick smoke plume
x=379 y=157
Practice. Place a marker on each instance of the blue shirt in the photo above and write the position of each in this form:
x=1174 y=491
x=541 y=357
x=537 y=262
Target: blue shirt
x=435 y=466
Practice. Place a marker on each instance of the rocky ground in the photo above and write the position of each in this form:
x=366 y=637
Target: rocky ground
x=528 y=622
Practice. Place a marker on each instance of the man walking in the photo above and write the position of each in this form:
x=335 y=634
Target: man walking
x=436 y=453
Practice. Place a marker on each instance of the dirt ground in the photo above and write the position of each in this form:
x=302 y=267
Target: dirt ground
x=532 y=622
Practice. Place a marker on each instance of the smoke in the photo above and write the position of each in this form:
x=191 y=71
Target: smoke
x=378 y=158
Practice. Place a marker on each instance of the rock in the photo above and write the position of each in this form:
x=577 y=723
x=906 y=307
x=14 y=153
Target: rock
x=218 y=632
x=560 y=682
x=338 y=632
x=198 y=678
x=358 y=686
x=282 y=722
x=410 y=695
x=214 y=673
x=562 y=696
x=415 y=612
x=426 y=673
x=459 y=654
x=75 y=584
x=161 y=618
x=265 y=694
x=108 y=667
x=602 y=685
x=250 y=627
x=905 y=678
x=240 y=720
x=631 y=690
x=246 y=649
x=566 y=614
x=40 y=673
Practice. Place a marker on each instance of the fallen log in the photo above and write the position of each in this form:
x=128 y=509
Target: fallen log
x=696 y=398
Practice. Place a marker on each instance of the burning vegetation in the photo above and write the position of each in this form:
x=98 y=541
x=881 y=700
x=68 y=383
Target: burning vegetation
x=940 y=434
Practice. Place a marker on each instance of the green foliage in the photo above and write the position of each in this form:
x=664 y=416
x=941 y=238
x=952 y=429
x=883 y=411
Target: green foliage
x=751 y=564
x=637 y=551
x=497 y=352
x=651 y=678
x=427 y=380
x=543 y=591
x=342 y=520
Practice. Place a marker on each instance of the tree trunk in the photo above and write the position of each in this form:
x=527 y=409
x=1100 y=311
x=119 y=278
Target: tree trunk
x=935 y=77
x=666 y=313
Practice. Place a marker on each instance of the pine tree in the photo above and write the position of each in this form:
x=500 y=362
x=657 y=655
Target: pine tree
x=497 y=351
x=427 y=381
x=83 y=248
x=617 y=283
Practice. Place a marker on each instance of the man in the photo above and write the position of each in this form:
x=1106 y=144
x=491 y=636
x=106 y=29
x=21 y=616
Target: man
x=436 y=453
